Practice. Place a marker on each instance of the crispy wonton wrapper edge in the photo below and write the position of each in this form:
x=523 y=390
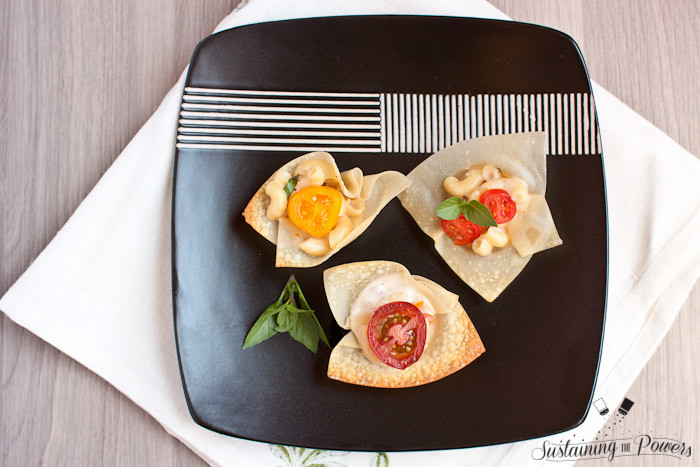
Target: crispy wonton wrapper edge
x=455 y=343
x=376 y=190
x=520 y=155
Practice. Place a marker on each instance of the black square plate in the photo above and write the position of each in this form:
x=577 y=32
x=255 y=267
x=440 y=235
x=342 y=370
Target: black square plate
x=383 y=92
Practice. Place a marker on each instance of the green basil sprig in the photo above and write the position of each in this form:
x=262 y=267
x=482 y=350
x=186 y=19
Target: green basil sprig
x=473 y=211
x=289 y=187
x=288 y=315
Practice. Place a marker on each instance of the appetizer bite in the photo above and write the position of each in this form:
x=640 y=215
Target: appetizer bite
x=405 y=330
x=311 y=210
x=482 y=202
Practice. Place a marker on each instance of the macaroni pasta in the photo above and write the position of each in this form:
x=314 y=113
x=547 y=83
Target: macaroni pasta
x=473 y=184
x=319 y=172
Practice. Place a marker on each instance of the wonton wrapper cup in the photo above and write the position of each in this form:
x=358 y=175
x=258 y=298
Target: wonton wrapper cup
x=375 y=190
x=520 y=155
x=453 y=345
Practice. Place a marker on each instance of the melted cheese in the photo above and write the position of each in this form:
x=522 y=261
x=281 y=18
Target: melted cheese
x=394 y=287
x=473 y=186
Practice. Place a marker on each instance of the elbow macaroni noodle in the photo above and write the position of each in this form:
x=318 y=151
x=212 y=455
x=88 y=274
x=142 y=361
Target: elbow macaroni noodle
x=311 y=173
x=316 y=172
x=340 y=231
x=315 y=246
x=278 y=198
x=471 y=182
x=490 y=172
x=476 y=181
x=497 y=237
x=355 y=207
x=482 y=247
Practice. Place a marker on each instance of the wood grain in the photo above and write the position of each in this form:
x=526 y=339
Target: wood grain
x=79 y=78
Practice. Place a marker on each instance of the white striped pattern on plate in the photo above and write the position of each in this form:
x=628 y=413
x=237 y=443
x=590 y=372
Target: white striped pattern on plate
x=380 y=122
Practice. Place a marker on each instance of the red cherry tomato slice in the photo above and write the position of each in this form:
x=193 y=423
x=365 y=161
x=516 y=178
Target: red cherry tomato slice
x=500 y=204
x=397 y=333
x=462 y=231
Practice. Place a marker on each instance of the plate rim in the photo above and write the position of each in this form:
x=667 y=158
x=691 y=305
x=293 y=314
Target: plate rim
x=222 y=430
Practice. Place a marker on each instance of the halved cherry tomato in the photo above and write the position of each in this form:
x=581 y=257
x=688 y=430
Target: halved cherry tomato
x=396 y=334
x=500 y=204
x=462 y=231
x=315 y=209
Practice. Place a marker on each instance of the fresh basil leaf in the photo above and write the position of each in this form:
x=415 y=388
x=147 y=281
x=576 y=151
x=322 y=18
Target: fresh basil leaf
x=321 y=334
x=264 y=327
x=286 y=316
x=307 y=309
x=286 y=319
x=302 y=300
x=479 y=214
x=306 y=331
x=296 y=310
x=289 y=288
x=289 y=187
x=450 y=208
x=283 y=298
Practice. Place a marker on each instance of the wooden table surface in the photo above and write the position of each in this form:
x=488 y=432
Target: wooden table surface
x=79 y=78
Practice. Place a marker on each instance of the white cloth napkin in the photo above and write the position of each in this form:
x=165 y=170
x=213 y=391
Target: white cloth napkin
x=100 y=291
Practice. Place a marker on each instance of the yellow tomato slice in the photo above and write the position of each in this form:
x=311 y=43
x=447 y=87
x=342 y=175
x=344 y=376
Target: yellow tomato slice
x=315 y=209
